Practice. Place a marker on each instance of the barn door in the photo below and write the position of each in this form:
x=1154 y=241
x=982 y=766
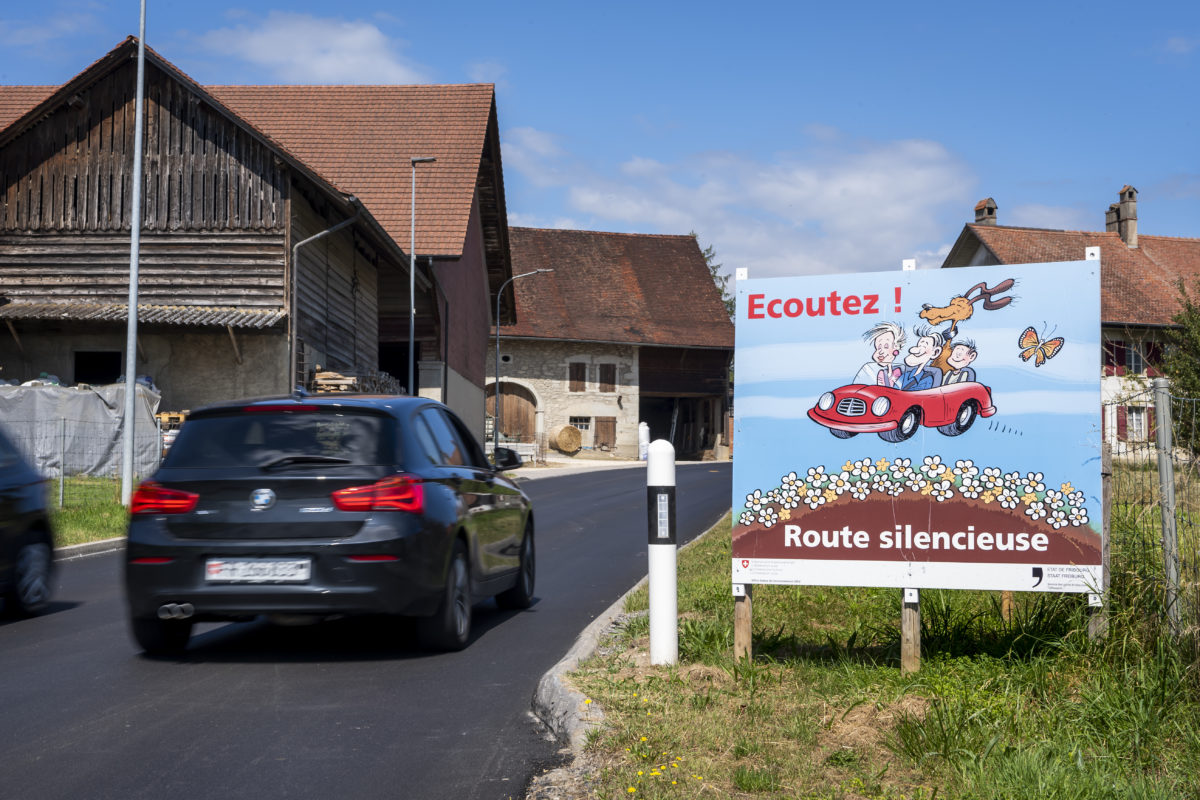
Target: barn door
x=518 y=418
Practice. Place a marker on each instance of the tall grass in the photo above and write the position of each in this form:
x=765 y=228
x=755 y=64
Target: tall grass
x=1020 y=707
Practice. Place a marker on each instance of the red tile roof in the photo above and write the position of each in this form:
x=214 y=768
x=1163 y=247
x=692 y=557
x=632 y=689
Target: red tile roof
x=16 y=100
x=360 y=139
x=1138 y=286
x=616 y=287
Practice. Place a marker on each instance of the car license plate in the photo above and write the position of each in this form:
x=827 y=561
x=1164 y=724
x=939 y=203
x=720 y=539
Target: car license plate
x=258 y=570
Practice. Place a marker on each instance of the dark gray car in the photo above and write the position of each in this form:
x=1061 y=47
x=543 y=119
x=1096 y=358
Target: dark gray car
x=326 y=505
x=26 y=539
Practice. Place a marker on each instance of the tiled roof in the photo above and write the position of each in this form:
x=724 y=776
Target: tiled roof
x=360 y=139
x=147 y=314
x=1138 y=286
x=616 y=287
x=16 y=100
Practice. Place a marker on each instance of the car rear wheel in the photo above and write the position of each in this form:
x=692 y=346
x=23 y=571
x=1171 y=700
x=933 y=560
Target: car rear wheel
x=842 y=434
x=963 y=420
x=161 y=637
x=521 y=595
x=450 y=627
x=31 y=579
x=905 y=428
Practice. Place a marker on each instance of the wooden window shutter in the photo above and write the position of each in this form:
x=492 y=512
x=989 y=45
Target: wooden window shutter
x=1154 y=359
x=608 y=377
x=578 y=376
x=1122 y=424
x=1114 y=357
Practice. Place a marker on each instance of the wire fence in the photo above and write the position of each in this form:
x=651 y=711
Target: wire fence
x=1155 y=484
x=82 y=458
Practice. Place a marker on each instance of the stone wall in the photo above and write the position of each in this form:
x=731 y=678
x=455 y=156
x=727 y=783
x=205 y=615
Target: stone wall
x=543 y=368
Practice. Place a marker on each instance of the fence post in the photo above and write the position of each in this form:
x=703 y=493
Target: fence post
x=1098 y=614
x=62 y=461
x=910 y=631
x=1166 y=483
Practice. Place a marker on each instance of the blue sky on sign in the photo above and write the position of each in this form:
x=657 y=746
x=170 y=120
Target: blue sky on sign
x=1046 y=419
x=795 y=138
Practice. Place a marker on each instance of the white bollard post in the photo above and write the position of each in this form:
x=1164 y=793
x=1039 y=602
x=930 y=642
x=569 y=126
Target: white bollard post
x=660 y=502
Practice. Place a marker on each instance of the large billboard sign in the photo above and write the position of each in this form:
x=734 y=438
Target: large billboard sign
x=921 y=429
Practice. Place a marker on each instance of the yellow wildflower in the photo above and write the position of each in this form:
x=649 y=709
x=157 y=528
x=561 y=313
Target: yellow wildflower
x=882 y=464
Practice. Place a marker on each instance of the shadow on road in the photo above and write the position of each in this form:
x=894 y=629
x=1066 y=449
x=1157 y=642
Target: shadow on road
x=340 y=640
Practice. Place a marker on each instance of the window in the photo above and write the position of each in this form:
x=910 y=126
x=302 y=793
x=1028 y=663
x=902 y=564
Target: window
x=577 y=371
x=1135 y=421
x=98 y=368
x=1135 y=362
x=583 y=423
x=449 y=447
x=608 y=377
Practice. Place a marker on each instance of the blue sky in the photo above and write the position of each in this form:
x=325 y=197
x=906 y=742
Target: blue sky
x=795 y=138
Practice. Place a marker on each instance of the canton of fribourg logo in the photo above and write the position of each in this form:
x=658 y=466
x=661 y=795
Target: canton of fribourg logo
x=261 y=499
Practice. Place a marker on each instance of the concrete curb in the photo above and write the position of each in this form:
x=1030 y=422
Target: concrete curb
x=565 y=710
x=73 y=551
x=562 y=708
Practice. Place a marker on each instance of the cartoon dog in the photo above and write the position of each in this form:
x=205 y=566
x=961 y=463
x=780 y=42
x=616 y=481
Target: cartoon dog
x=960 y=309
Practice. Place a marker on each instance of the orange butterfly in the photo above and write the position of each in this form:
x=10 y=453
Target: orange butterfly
x=1032 y=346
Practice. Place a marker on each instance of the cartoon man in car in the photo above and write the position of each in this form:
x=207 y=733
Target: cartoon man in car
x=918 y=373
x=962 y=353
x=888 y=340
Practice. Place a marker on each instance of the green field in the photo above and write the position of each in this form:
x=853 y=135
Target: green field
x=1020 y=708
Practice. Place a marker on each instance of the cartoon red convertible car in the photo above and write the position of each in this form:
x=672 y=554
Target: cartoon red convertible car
x=895 y=414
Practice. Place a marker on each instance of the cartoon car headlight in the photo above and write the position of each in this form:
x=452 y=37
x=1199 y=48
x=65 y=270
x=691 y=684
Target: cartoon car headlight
x=880 y=406
x=826 y=401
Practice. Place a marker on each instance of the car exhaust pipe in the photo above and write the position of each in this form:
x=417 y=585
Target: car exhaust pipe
x=176 y=611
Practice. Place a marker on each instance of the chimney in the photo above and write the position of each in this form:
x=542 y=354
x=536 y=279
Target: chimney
x=985 y=212
x=1127 y=216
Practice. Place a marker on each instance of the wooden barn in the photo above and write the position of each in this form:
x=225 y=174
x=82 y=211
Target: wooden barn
x=274 y=233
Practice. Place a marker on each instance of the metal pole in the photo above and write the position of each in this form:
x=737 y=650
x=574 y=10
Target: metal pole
x=62 y=462
x=412 y=278
x=1166 y=484
x=135 y=226
x=662 y=553
x=496 y=385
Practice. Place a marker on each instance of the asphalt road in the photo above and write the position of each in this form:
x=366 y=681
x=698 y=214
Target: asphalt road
x=348 y=709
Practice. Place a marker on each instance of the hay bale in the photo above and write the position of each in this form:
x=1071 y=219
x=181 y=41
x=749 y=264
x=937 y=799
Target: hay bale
x=566 y=439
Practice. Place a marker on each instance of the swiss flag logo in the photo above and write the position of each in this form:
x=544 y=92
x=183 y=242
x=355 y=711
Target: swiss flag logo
x=745 y=563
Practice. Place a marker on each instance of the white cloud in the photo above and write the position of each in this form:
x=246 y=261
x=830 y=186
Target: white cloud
x=1034 y=215
x=487 y=72
x=1181 y=45
x=836 y=206
x=78 y=18
x=301 y=48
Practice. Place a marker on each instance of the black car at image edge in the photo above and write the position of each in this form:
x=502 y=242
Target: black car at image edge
x=323 y=506
x=26 y=538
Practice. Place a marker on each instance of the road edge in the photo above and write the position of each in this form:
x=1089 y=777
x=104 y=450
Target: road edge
x=73 y=551
x=560 y=706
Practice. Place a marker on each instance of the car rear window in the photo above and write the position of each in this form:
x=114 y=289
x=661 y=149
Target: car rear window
x=294 y=440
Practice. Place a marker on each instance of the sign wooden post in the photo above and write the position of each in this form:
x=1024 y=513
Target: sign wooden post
x=743 y=618
x=910 y=631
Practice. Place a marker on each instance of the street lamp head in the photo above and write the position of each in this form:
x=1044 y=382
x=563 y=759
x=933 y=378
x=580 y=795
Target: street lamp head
x=545 y=270
x=426 y=160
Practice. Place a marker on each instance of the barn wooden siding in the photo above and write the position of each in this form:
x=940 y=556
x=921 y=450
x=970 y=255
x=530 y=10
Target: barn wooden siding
x=213 y=269
x=337 y=301
x=73 y=170
x=683 y=372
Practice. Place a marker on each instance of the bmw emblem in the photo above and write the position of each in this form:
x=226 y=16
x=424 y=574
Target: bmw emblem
x=261 y=499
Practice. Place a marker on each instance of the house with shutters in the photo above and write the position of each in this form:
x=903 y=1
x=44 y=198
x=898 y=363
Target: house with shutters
x=275 y=233
x=1139 y=295
x=619 y=329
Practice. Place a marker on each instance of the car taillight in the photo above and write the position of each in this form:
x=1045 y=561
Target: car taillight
x=402 y=493
x=151 y=498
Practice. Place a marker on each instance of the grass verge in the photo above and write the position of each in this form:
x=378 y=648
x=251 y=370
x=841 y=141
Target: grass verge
x=91 y=510
x=1018 y=708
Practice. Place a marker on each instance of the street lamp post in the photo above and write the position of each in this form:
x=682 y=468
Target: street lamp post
x=496 y=386
x=412 y=277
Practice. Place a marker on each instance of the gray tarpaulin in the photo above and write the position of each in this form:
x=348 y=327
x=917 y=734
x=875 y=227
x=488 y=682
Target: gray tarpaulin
x=80 y=428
